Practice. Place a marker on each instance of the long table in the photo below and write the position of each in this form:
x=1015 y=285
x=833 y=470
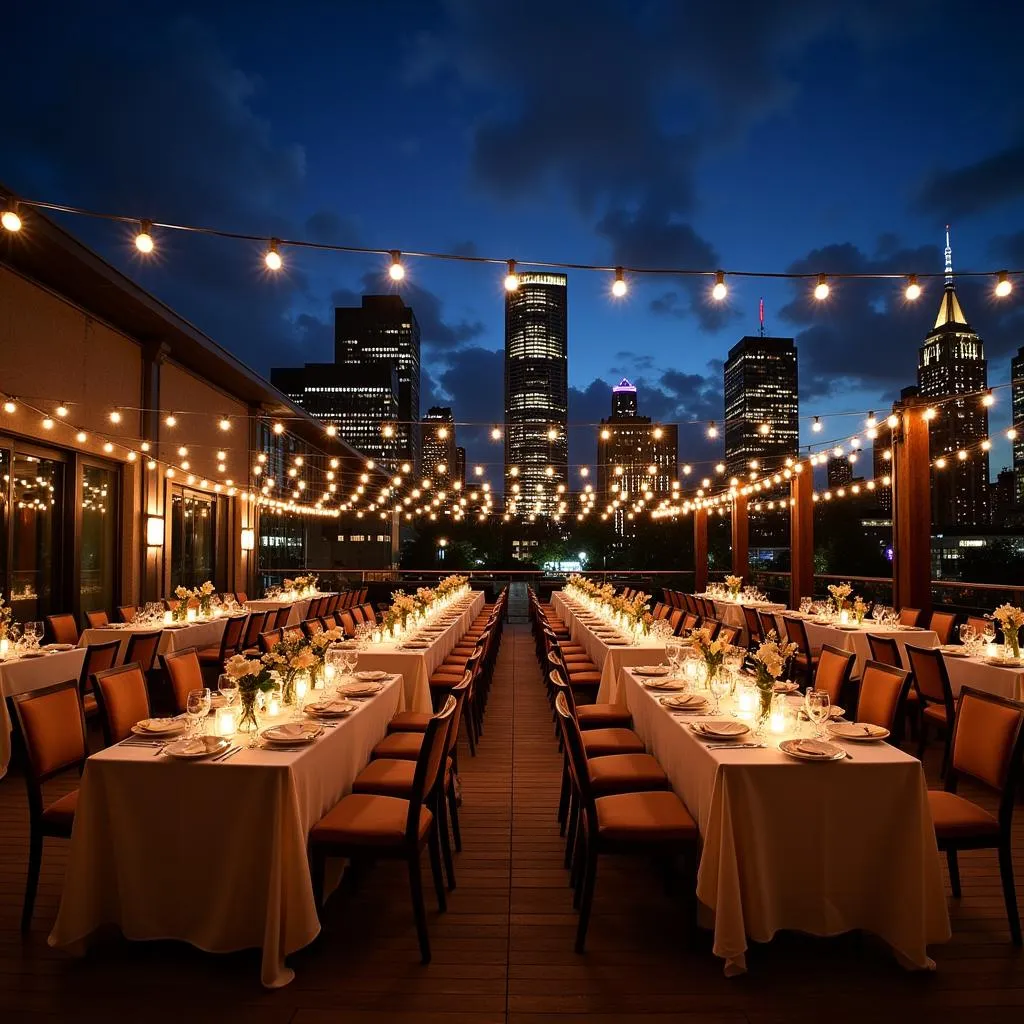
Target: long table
x=213 y=854
x=818 y=848
x=172 y=638
x=731 y=613
x=609 y=658
x=20 y=675
x=855 y=638
x=417 y=666
x=298 y=606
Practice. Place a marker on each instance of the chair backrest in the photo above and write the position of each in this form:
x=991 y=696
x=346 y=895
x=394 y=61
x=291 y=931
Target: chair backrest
x=660 y=611
x=930 y=677
x=348 y=623
x=883 y=691
x=98 y=658
x=884 y=649
x=127 y=612
x=460 y=691
x=675 y=619
x=369 y=615
x=796 y=633
x=769 y=624
x=430 y=764
x=256 y=624
x=241 y=597
x=576 y=758
x=312 y=626
x=690 y=602
x=941 y=624
x=281 y=618
x=979 y=623
x=833 y=672
x=123 y=699
x=750 y=617
x=730 y=634
x=910 y=616
x=184 y=673
x=53 y=728
x=361 y=596
x=97 y=619
x=268 y=639
x=332 y=604
x=142 y=648
x=232 y=635
x=62 y=628
x=987 y=745
x=358 y=615
x=688 y=622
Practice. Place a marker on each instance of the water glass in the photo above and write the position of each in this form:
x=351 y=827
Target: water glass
x=227 y=687
x=816 y=704
x=197 y=706
x=967 y=634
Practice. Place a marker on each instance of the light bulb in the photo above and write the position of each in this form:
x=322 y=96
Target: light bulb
x=871 y=421
x=511 y=278
x=272 y=258
x=719 y=291
x=331 y=430
x=62 y=411
x=47 y=423
x=988 y=400
x=171 y=420
x=605 y=434
x=821 y=289
x=496 y=434
x=552 y=434
x=619 y=284
x=816 y=425
x=224 y=424
x=1003 y=286
x=893 y=421
x=81 y=437
x=10 y=218
x=115 y=416
x=913 y=291
x=144 y=240
x=396 y=271
x=278 y=428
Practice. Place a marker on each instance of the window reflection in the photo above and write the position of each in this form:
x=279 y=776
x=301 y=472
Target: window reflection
x=36 y=515
x=98 y=556
x=193 y=539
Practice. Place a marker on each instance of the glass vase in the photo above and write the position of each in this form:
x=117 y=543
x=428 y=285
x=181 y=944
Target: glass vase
x=764 y=710
x=247 y=721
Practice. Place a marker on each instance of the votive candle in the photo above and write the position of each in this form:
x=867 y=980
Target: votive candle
x=168 y=618
x=224 y=722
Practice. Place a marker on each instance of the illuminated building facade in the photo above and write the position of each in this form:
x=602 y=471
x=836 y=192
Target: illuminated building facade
x=439 y=444
x=1017 y=398
x=536 y=393
x=761 y=404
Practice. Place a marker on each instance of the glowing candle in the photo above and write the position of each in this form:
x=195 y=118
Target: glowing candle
x=191 y=614
x=224 y=722
x=777 y=722
x=746 y=702
x=274 y=705
x=844 y=617
x=301 y=686
x=168 y=618
x=5 y=647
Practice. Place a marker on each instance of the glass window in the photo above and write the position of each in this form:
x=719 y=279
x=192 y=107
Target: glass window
x=36 y=518
x=98 y=547
x=193 y=539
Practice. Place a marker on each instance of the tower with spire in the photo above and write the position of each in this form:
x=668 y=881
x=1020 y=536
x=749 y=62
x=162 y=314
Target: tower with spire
x=952 y=369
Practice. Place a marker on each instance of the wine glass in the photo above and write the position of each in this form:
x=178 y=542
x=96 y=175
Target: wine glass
x=720 y=686
x=227 y=687
x=197 y=706
x=672 y=652
x=989 y=635
x=816 y=704
x=967 y=634
x=877 y=612
x=350 y=659
x=334 y=665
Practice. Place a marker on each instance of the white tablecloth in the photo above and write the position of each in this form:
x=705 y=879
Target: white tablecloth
x=19 y=675
x=818 y=848
x=856 y=639
x=195 y=634
x=418 y=666
x=731 y=613
x=1005 y=681
x=609 y=658
x=209 y=853
x=299 y=606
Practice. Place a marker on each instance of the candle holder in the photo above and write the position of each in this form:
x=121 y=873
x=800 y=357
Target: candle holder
x=225 y=721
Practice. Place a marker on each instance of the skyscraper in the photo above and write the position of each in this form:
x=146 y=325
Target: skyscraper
x=952 y=363
x=439 y=443
x=761 y=403
x=881 y=466
x=460 y=465
x=536 y=393
x=384 y=330
x=839 y=470
x=1017 y=399
x=629 y=446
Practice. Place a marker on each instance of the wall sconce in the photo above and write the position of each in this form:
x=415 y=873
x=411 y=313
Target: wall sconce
x=155 y=532
x=248 y=539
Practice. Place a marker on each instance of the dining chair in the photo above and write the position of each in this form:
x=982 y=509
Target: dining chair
x=250 y=638
x=675 y=619
x=281 y=617
x=910 y=616
x=691 y=603
x=730 y=634
x=310 y=627
x=127 y=612
x=652 y=823
x=348 y=623
x=805 y=660
x=361 y=596
x=660 y=610
x=142 y=648
x=987 y=747
x=291 y=633
x=97 y=619
x=52 y=727
x=184 y=673
x=62 y=628
x=979 y=623
x=934 y=693
x=358 y=616
x=941 y=624
x=369 y=615
x=212 y=658
x=886 y=650
x=690 y=620
x=754 y=628
x=98 y=658
x=123 y=700
x=835 y=667
x=241 y=597
x=367 y=825
x=713 y=626
x=883 y=693
x=769 y=624
x=268 y=639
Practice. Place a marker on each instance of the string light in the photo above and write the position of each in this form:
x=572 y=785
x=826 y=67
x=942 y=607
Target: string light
x=331 y=430
x=988 y=399
x=913 y=290
x=171 y=420
x=712 y=429
x=396 y=271
x=511 y=277
x=816 y=425
x=893 y=421
x=61 y=410
x=81 y=437
x=821 y=289
x=115 y=416
x=144 y=238
x=272 y=258
x=278 y=428
x=496 y=434
x=719 y=290
x=47 y=423
x=225 y=423
x=619 y=284
x=1003 y=285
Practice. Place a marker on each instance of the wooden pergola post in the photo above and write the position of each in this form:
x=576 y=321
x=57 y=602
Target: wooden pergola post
x=911 y=507
x=801 y=537
x=740 y=538
x=700 y=550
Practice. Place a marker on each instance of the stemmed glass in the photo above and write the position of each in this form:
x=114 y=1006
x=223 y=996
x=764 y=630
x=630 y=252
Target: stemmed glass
x=227 y=687
x=967 y=634
x=334 y=664
x=816 y=704
x=720 y=686
x=197 y=706
x=989 y=636
x=673 y=651
x=878 y=612
x=350 y=659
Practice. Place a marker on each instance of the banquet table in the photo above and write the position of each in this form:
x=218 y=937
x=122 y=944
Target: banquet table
x=1002 y=680
x=731 y=613
x=299 y=606
x=855 y=638
x=20 y=675
x=210 y=853
x=172 y=638
x=818 y=848
x=417 y=666
x=609 y=658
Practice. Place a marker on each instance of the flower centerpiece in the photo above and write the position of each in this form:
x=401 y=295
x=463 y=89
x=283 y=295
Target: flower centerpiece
x=860 y=609
x=254 y=676
x=770 y=660
x=402 y=606
x=734 y=583
x=205 y=595
x=1010 y=620
x=290 y=656
x=320 y=643
x=711 y=651
x=5 y=626
x=840 y=592
x=186 y=598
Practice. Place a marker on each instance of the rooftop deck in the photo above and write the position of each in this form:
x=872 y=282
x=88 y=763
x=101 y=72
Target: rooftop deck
x=504 y=950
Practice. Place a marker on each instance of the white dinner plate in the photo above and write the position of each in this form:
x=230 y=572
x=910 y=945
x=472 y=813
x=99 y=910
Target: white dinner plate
x=196 y=748
x=371 y=675
x=292 y=734
x=414 y=645
x=861 y=732
x=1004 y=662
x=59 y=647
x=721 y=728
x=685 y=702
x=651 y=670
x=361 y=689
x=330 y=708
x=953 y=651
x=159 y=727
x=812 y=750
x=662 y=683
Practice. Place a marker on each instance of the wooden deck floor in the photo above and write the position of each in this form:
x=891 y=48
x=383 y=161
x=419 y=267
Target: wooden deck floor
x=503 y=951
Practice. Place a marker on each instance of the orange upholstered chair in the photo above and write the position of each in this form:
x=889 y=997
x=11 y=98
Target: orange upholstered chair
x=142 y=648
x=910 y=616
x=98 y=658
x=97 y=619
x=934 y=693
x=123 y=700
x=832 y=675
x=941 y=623
x=883 y=693
x=53 y=729
x=127 y=612
x=183 y=673
x=62 y=628
x=987 y=745
x=805 y=661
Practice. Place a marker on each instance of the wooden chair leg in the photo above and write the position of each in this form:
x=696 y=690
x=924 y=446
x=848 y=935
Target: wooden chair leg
x=563 y=796
x=586 y=899
x=35 y=860
x=418 y=909
x=579 y=861
x=1009 y=891
x=453 y=810
x=441 y=812
x=571 y=828
x=954 y=872
x=434 y=849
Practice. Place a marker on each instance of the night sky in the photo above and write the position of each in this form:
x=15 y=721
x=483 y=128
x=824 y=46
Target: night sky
x=757 y=137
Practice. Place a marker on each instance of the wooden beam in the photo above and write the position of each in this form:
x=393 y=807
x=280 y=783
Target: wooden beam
x=911 y=507
x=740 y=538
x=700 y=550
x=801 y=537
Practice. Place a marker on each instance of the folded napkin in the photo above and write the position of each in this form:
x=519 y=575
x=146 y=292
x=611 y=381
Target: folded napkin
x=293 y=731
x=816 y=748
x=722 y=727
x=684 y=700
x=160 y=724
x=331 y=707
